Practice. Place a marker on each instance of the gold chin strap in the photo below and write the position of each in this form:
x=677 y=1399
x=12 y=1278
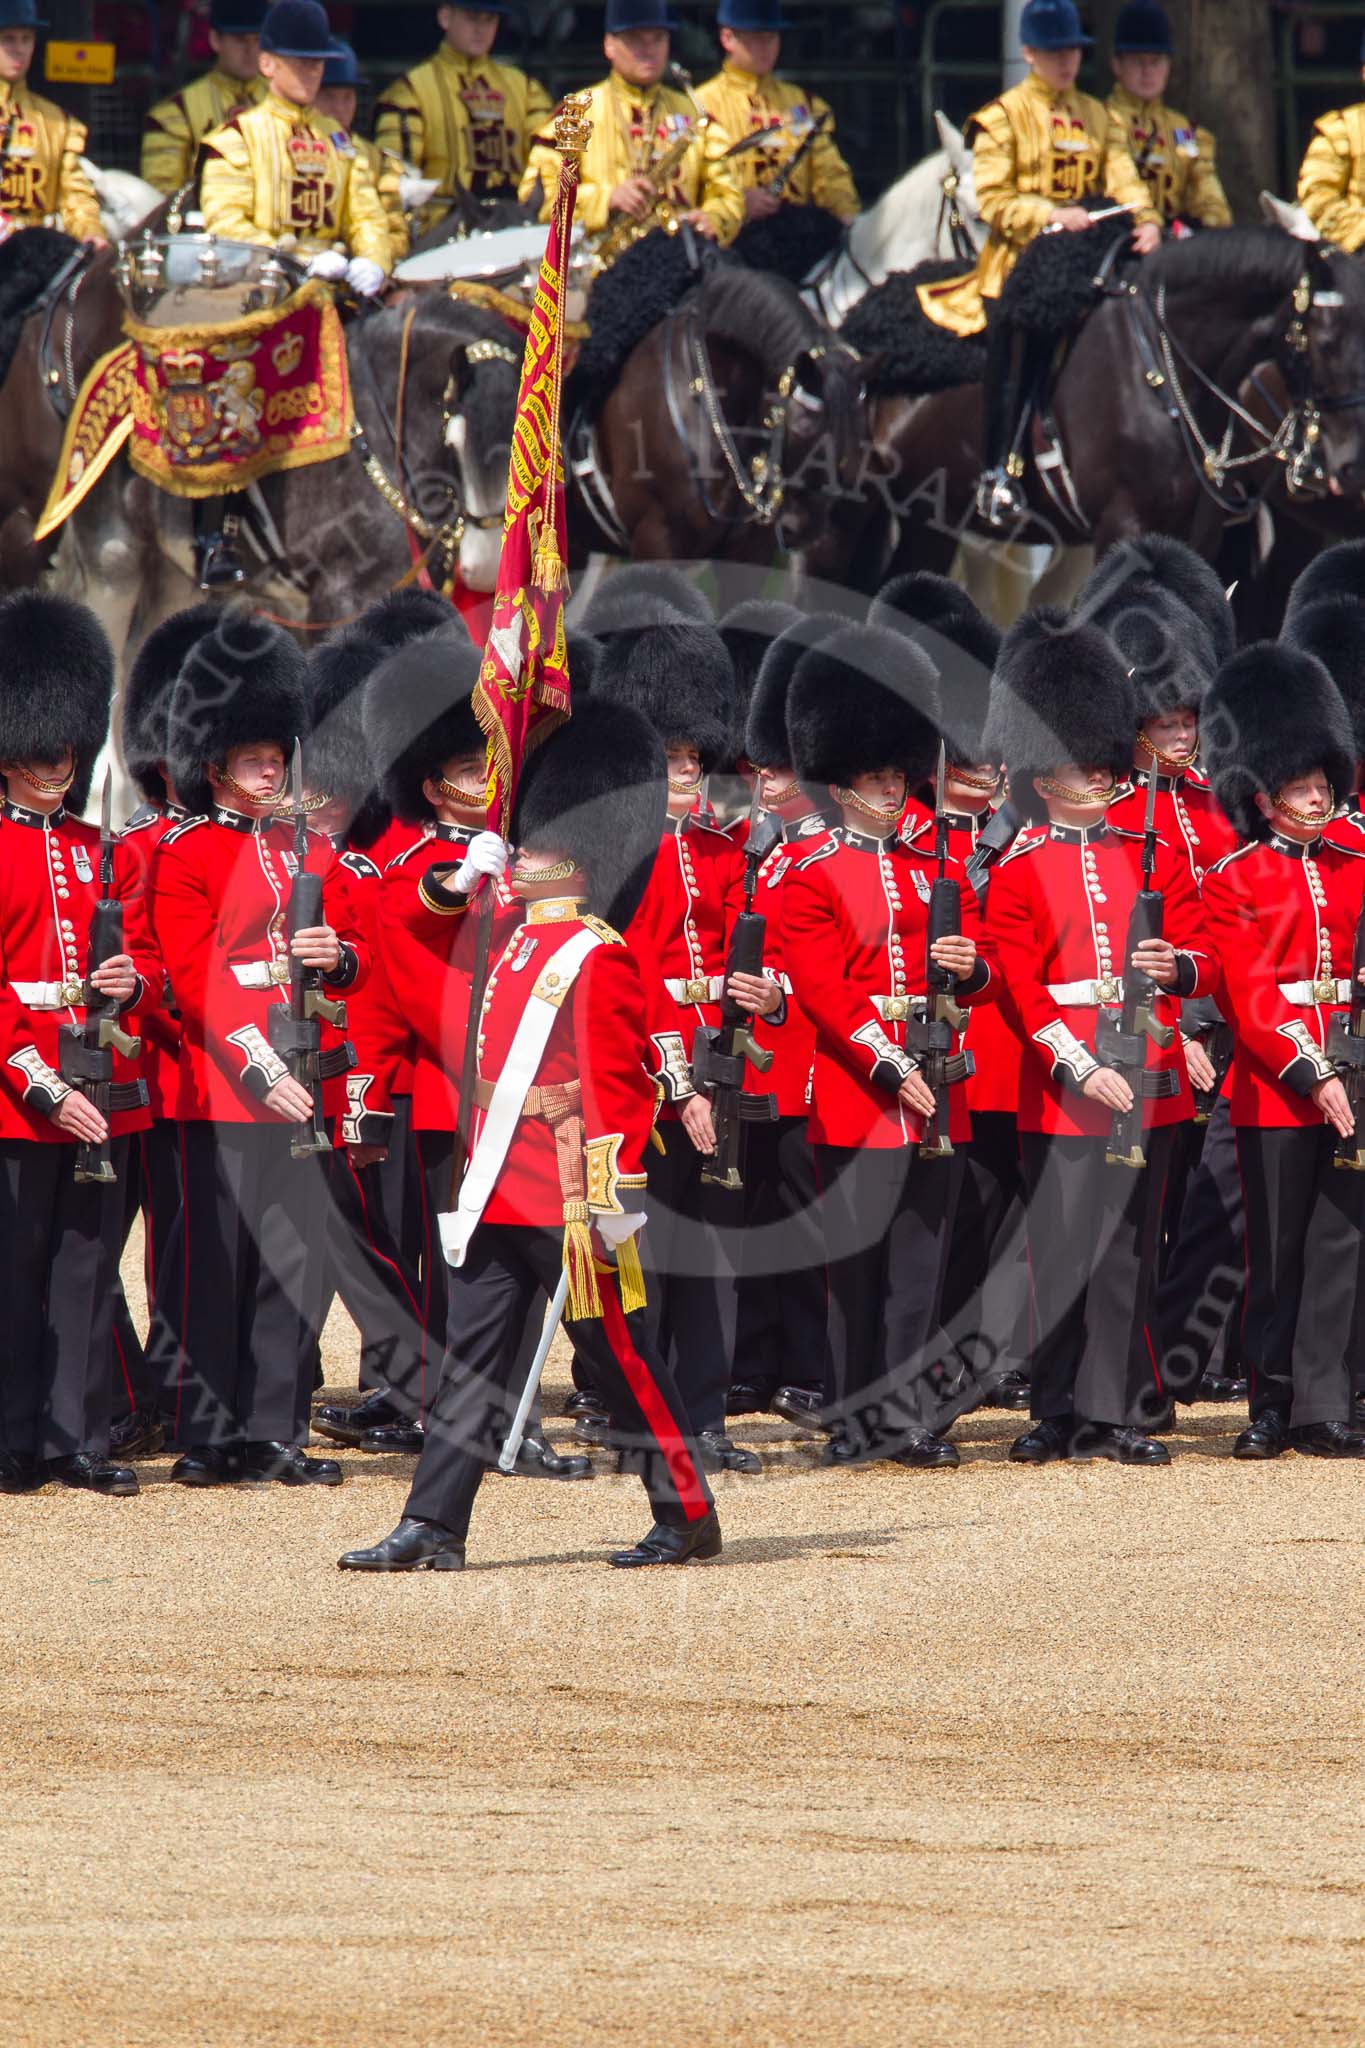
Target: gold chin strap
x=258 y=803
x=45 y=788
x=1304 y=817
x=1175 y=764
x=560 y=872
x=451 y=793
x=685 y=788
x=867 y=810
x=1088 y=798
x=786 y=795
x=988 y=783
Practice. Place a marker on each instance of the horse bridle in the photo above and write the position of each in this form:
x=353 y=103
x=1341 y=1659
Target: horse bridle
x=950 y=214
x=762 y=486
x=59 y=379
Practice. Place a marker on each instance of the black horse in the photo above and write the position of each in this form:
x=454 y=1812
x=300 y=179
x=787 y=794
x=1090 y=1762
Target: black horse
x=1156 y=428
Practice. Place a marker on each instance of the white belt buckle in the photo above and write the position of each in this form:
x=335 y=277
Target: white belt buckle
x=71 y=993
x=279 y=971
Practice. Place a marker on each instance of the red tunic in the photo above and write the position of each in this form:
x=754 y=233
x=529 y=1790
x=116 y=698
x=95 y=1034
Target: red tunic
x=855 y=926
x=680 y=935
x=159 y=1028
x=598 y=1039
x=49 y=885
x=219 y=903
x=1057 y=913
x=789 y=1079
x=1187 y=818
x=1281 y=914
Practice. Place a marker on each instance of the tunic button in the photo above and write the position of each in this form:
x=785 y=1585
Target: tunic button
x=63 y=892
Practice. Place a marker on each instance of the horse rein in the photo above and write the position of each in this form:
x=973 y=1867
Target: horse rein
x=59 y=381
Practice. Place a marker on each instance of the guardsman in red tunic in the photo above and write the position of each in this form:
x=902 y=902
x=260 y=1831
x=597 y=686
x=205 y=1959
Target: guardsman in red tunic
x=153 y=1180
x=782 y=1359
x=1062 y=719
x=855 y=938
x=1283 y=912
x=424 y=739
x=681 y=678
x=251 y=1248
x=555 y=1190
x=59 y=1235
x=986 y=1291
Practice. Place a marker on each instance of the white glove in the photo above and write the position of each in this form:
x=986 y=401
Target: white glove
x=365 y=277
x=415 y=192
x=486 y=854
x=615 y=1231
x=329 y=264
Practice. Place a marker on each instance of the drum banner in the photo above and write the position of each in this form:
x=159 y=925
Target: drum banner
x=210 y=409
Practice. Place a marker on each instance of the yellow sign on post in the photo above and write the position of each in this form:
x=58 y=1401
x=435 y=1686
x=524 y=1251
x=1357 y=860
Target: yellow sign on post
x=80 y=63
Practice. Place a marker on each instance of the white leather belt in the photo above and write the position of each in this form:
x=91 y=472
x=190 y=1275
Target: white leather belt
x=260 y=973
x=49 y=995
x=1082 y=995
x=898 y=1009
x=1316 y=991
x=706 y=989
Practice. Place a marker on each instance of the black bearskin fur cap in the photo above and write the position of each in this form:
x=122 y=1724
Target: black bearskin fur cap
x=56 y=685
x=1060 y=693
x=862 y=699
x=1333 y=628
x=147 y=695
x=680 y=678
x=336 y=760
x=1337 y=572
x=644 y=594
x=245 y=680
x=584 y=652
x=598 y=788
x=405 y=615
x=418 y=713
x=1272 y=714
x=1186 y=575
x=963 y=644
x=749 y=630
x=1165 y=647
x=765 y=738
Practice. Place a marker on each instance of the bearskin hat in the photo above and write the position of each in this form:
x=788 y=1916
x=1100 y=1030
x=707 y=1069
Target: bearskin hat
x=56 y=685
x=246 y=680
x=765 y=737
x=584 y=653
x=1060 y=693
x=147 y=695
x=1273 y=714
x=418 y=713
x=1337 y=572
x=1181 y=571
x=1333 y=629
x=859 y=700
x=336 y=759
x=598 y=788
x=404 y=615
x=1166 y=648
x=963 y=644
x=680 y=678
x=644 y=594
x=749 y=630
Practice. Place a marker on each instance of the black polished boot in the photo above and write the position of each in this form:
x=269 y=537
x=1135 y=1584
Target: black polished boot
x=694 y=1544
x=411 y=1547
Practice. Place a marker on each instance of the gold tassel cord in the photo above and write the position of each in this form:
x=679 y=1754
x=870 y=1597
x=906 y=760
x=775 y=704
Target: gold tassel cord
x=630 y=1277
x=585 y=1302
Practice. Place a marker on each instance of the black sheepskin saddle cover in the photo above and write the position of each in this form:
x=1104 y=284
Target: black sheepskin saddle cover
x=1050 y=291
x=29 y=261
x=792 y=242
x=642 y=287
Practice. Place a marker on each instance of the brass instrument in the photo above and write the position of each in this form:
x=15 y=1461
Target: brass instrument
x=625 y=232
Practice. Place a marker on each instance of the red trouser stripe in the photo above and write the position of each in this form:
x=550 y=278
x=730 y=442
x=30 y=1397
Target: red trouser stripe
x=651 y=1402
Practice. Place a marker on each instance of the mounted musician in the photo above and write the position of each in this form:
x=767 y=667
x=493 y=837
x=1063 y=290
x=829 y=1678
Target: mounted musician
x=463 y=118
x=1174 y=158
x=1332 y=177
x=655 y=159
x=176 y=127
x=793 y=158
x=42 y=183
x=1041 y=151
x=336 y=103
x=278 y=175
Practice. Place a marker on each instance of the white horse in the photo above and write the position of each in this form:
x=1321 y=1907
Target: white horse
x=908 y=225
x=1289 y=215
x=125 y=200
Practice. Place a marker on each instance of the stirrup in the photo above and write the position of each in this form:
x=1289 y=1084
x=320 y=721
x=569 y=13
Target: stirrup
x=219 y=564
x=999 y=501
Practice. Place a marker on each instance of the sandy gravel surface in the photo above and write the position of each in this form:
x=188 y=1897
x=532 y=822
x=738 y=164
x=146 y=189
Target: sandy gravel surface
x=990 y=1756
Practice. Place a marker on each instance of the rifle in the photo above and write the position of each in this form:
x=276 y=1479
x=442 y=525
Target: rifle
x=86 y=1051
x=996 y=837
x=1201 y=1018
x=1121 y=1044
x=295 y=1027
x=719 y=1052
x=933 y=1038
x=1346 y=1050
